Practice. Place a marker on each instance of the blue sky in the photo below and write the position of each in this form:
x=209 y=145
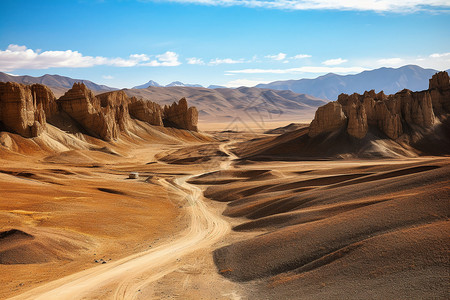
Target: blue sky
x=225 y=42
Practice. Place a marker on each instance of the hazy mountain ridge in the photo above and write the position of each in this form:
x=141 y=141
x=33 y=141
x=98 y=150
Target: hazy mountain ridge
x=330 y=86
x=174 y=83
x=223 y=104
x=58 y=84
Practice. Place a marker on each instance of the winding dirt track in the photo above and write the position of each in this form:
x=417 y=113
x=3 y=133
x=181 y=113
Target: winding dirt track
x=134 y=272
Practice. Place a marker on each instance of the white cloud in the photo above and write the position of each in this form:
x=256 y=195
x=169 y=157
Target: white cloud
x=168 y=59
x=107 y=77
x=310 y=69
x=439 y=55
x=390 y=62
x=139 y=57
x=301 y=56
x=279 y=56
x=13 y=47
x=334 y=62
x=399 y=6
x=20 y=57
x=195 y=61
x=219 y=61
x=437 y=61
x=244 y=82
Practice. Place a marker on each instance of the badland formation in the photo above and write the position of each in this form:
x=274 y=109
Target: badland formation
x=353 y=205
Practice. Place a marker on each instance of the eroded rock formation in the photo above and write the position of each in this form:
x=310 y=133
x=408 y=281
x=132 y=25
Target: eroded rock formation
x=146 y=111
x=394 y=115
x=25 y=109
x=22 y=108
x=81 y=104
x=178 y=115
x=115 y=106
x=328 y=118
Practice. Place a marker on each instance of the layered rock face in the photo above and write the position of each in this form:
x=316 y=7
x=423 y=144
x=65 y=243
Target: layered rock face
x=81 y=104
x=115 y=106
x=180 y=116
x=23 y=108
x=328 y=118
x=440 y=93
x=392 y=114
x=44 y=95
x=146 y=111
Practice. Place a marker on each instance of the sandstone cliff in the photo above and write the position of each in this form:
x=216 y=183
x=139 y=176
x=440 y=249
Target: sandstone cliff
x=81 y=104
x=146 y=111
x=395 y=115
x=25 y=109
x=178 y=115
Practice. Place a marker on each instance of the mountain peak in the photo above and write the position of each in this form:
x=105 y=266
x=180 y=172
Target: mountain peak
x=179 y=83
x=146 y=85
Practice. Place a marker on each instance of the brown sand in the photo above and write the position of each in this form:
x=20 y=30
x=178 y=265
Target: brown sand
x=340 y=229
x=346 y=229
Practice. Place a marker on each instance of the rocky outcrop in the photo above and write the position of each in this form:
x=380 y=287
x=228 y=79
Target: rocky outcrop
x=25 y=109
x=393 y=115
x=328 y=118
x=146 y=111
x=44 y=95
x=22 y=108
x=179 y=115
x=109 y=114
x=115 y=106
x=440 y=93
x=357 y=121
x=81 y=104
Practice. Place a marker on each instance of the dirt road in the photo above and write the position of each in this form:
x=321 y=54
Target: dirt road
x=129 y=275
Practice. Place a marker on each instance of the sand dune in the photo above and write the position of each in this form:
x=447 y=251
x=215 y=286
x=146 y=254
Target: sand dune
x=324 y=233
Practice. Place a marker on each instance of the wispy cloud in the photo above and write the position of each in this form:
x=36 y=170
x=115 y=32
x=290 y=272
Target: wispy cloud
x=279 y=56
x=244 y=82
x=168 y=59
x=399 y=6
x=310 y=69
x=439 y=55
x=195 y=61
x=395 y=61
x=301 y=56
x=219 y=61
x=108 y=77
x=334 y=62
x=20 y=57
x=437 y=61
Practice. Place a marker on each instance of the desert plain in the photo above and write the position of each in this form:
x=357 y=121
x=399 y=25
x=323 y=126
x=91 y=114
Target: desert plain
x=75 y=227
x=115 y=197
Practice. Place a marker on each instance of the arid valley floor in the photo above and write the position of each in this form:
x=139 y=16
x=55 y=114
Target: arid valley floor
x=316 y=229
x=113 y=197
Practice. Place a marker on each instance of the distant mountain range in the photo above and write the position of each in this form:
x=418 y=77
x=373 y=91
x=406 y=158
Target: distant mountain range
x=249 y=105
x=175 y=83
x=331 y=85
x=58 y=84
